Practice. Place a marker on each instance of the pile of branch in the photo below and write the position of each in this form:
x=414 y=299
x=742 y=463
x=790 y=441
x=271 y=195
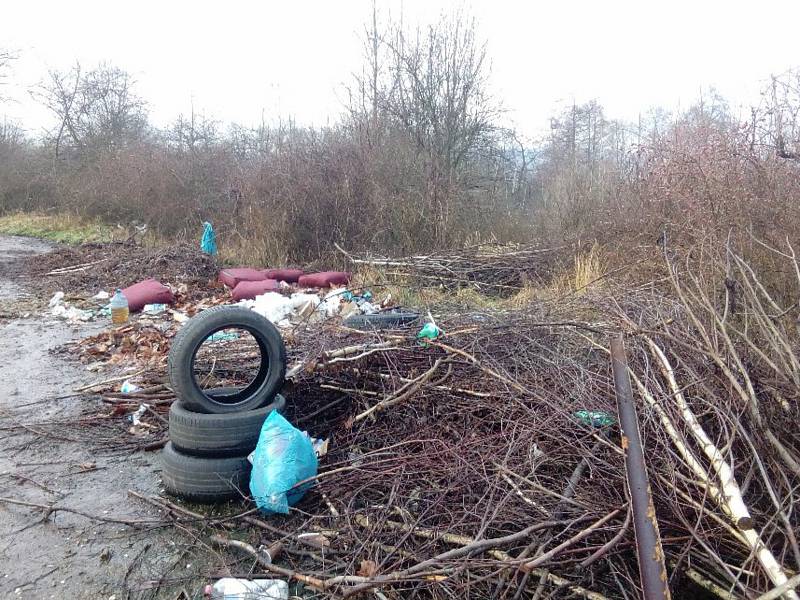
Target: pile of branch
x=90 y=267
x=490 y=268
x=462 y=468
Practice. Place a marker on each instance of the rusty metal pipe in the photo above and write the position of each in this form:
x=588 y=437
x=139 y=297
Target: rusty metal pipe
x=652 y=570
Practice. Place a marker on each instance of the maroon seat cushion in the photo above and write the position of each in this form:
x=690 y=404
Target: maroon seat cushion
x=148 y=291
x=232 y=277
x=324 y=279
x=247 y=290
x=287 y=275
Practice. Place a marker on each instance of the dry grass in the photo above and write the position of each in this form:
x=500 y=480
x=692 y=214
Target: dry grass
x=66 y=229
x=586 y=273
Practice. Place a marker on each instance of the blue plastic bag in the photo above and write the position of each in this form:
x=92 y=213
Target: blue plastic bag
x=208 y=243
x=283 y=457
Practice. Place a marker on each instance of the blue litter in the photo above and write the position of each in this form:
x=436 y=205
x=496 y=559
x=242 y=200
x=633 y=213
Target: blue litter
x=208 y=243
x=222 y=336
x=284 y=456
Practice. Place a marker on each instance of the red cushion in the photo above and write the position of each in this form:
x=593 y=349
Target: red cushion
x=149 y=291
x=324 y=279
x=232 y=277
x=287 y=275
x=247 y=290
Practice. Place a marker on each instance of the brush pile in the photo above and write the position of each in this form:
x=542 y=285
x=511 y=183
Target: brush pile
x=490 y=268
x=91 y=267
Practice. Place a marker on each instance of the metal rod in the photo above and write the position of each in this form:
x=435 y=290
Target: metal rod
x=652 y=570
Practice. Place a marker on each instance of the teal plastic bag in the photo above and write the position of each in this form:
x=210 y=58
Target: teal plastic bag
x=284 y=456
x=429 y=332
x=595 y=418
x=208 y=243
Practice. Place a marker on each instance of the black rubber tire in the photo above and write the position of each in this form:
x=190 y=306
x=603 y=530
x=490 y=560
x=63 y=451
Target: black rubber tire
x=190 y=337
x=381 y=320
x=204 y=480
x=234 y=434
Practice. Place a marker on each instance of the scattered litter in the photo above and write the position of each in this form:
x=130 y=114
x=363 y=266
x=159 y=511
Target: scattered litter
x=154 y=309
x=208 y=243
x=56 y=300
x=101 y=295
x=129 y=388
x=348 y=309
x=222 y=336
x=332 y=304
x=229 y=588
x=120 y=310
x=277 y=308
x=178 y=317
x=284 y=456
x=136 y=418
x=320 y=446
x=368 y=308
x=429 y=332
x=59 y=308
x=595 y=418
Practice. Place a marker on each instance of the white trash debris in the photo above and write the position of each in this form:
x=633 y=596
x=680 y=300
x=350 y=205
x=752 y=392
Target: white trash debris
x=282 y=310
x=278 y=308
x=101 y=295
x=331 y=305
x=229 y=588
x=56 y=300
x=129 y=388
x=59 y=308
x=136 y=417
x=154 y=309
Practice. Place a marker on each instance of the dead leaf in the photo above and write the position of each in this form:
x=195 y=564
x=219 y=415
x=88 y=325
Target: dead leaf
x=368 y=568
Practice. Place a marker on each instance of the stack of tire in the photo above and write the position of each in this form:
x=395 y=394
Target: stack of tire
x=212 y=431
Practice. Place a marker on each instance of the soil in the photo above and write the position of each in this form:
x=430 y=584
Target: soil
x=63 y=555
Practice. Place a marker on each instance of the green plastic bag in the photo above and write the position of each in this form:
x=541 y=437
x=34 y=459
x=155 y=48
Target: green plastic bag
x=428 y=333
x=595 y=418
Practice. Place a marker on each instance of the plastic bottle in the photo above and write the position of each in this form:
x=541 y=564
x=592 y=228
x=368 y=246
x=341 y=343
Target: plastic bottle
x=258 y=589
x=119 y=308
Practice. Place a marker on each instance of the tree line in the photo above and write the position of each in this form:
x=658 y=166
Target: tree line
x=418 y=161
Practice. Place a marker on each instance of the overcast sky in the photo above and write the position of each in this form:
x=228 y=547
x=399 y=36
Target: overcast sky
x=234 y=59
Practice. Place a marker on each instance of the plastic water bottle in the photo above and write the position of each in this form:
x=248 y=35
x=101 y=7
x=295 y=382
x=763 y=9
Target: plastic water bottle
x=229 y=588
x=119 y=308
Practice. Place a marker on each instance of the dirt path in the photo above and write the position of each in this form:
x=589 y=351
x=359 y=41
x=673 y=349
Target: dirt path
x=64 y=556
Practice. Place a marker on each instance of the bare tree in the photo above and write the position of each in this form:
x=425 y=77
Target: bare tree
x=6 y=57
x=96 y=111
x=439 y=91
x=426 y=91
x=784 y=111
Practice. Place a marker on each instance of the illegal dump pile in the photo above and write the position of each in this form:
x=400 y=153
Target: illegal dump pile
x=486 y=461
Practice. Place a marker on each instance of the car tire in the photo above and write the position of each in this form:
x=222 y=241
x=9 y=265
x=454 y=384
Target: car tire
x=381 y=320
x=205 y=480
x=218 y=435
x=191 y=336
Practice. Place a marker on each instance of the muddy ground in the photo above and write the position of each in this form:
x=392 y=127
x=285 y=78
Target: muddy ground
x=64 y=555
